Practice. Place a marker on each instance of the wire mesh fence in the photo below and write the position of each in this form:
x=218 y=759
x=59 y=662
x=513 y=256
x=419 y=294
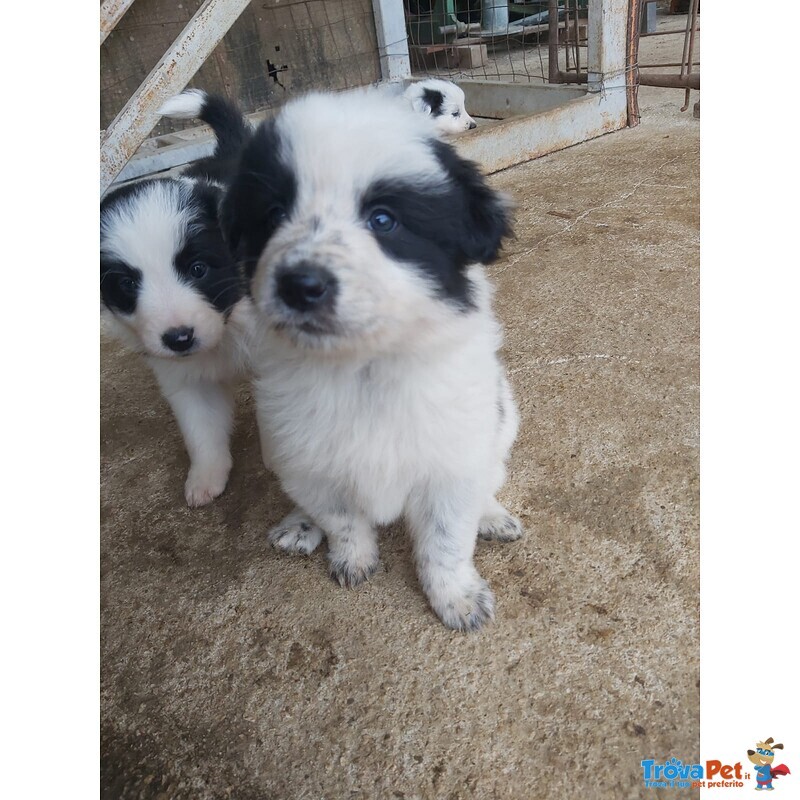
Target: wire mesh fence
x=494 y=40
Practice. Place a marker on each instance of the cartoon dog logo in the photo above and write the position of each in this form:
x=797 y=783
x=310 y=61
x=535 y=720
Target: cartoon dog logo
x=762 y=757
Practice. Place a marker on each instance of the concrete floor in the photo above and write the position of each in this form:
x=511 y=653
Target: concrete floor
x=232 y=671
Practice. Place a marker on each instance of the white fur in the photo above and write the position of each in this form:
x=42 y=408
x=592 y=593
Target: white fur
x=186 y=105
x=200 y=391
x=403 y=408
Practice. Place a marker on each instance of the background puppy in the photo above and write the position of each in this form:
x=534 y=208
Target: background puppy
x=379 y=392
x=171 y=291
x=443 y=101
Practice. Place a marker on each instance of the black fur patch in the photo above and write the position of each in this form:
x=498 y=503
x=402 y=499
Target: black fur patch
x=232 y=133
x=264 y=189
x=222 y=284
x=442 y=228
x=434 y=99
x=486 y=216
x=114 y=271
x=428 y=234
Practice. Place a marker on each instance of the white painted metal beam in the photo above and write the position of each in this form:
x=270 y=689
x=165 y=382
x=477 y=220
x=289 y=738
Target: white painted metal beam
x=390 y=27
x=177 y=67
x=517 y=139
x=607 y=39
x=111 y=12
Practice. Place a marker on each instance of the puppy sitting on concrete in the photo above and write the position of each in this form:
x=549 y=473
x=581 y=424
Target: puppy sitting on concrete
x=378 y=388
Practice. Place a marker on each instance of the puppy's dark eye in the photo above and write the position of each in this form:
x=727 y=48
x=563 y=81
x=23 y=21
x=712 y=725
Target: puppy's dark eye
x=381 y=221
x=127 y=284
x=275 y=216
x=198 y=269
x=456 y=113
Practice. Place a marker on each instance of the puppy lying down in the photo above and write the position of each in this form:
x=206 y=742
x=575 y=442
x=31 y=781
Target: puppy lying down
x=378 y=387
x=444 y=102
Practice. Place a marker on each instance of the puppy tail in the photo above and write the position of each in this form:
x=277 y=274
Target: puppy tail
x=223 y=116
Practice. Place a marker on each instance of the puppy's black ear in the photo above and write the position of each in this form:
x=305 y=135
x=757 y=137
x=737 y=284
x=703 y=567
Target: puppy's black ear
x=262 y=190
x=231 y=231
x=210 y=198
x=231 y=224
x=433 y=101
x=486 y=213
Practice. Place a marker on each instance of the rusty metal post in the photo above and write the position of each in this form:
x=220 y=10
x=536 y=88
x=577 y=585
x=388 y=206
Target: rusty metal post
x=693 y=14
x=552 y=42
x=670 y=81
x=632 y=71
x=111 y=12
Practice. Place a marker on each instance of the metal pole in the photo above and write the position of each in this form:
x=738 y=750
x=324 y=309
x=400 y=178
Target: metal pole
x=111 y=12
x=494 y=16
x=390 y=27
x=632 y=62
x=555 y=75
x=693 y=13
x=670 y=81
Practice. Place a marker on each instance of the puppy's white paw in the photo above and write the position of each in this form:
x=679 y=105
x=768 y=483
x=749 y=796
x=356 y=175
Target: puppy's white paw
x=463 y=605
x=500 y=527
x=350 y=564
x=205 y=482
x=296 y=533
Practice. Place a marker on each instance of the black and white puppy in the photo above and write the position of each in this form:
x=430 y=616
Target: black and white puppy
x=172 y=291
x=379 y=391
x=444 y=102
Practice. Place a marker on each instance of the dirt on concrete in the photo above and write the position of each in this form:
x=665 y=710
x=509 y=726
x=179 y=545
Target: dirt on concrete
x=229 y=670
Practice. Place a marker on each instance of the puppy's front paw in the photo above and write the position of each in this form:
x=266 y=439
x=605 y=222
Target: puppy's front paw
x=296 y=533
x=500 y=527
x=350 y=566
x=205 y=482
x=463 y=605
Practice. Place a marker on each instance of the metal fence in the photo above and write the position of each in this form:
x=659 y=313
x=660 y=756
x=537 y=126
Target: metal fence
x=493 y=40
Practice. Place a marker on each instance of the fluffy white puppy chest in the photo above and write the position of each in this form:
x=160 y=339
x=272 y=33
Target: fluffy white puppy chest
x=370 y=430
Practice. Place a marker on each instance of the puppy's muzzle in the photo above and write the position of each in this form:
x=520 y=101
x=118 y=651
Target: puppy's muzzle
x=306 y=287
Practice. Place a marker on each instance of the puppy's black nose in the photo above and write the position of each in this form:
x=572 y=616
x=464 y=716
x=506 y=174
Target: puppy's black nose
x=473 y=124
x=178 y=339
x=306 y=287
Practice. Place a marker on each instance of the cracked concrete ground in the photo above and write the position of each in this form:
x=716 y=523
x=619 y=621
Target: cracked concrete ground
x=232 y=671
